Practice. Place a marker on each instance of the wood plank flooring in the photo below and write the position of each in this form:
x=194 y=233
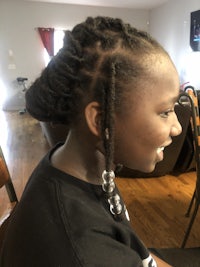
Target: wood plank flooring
x=156 y=206
x=157 y=209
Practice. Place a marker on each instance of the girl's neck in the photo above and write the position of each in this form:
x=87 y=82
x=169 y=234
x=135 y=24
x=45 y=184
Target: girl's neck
x=80 y=159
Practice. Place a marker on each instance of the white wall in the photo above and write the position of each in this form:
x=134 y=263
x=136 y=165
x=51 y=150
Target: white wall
x=20 y=45
x=170 y=25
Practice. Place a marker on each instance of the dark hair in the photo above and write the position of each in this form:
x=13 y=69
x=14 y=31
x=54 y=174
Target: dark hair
x=99 y=57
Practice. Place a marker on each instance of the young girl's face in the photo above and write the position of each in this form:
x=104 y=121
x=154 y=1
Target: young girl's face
x=147 y=128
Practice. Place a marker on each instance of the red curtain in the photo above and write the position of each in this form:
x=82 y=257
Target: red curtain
x=47 y=37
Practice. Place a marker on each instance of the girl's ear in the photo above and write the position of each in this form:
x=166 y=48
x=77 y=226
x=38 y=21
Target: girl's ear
x=93 y=117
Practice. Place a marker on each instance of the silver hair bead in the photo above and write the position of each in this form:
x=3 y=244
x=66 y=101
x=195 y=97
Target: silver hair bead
x=108 y=175
x=107 y=134
x=108 y=187
x=108 y=183
x=115 y=205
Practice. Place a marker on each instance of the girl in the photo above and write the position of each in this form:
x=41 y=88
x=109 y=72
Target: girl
x=115 y=87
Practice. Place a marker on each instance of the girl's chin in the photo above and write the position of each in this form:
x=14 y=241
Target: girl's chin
x=146 y=166
x=146 y=169
x=150 y=169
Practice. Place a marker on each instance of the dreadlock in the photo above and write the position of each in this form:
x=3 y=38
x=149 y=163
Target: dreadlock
x=99 y=57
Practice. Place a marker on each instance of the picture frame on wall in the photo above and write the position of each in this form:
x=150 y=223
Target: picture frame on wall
x=195 y=31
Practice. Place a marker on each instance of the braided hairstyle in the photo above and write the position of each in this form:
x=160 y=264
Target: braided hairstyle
x=99 y=58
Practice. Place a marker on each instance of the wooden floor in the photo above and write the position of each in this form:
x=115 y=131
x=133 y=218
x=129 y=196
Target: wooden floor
x=156 y=205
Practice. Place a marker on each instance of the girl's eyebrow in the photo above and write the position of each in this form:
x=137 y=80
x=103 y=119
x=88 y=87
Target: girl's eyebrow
x=175 y=99
x=172 y=100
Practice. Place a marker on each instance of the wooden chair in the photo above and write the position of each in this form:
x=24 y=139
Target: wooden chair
x=191 y=95
x=5 y=180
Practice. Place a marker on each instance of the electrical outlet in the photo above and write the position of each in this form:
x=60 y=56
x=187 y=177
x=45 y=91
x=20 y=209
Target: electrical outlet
x=11 y=66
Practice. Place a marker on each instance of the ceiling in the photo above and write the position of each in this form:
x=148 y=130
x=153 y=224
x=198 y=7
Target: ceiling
x=139 y=4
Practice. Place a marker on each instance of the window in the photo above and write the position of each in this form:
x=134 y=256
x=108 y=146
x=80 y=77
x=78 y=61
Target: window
x=58 y=43
x=58 y=40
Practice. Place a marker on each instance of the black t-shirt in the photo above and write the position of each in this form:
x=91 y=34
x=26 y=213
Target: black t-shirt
x=62 y=221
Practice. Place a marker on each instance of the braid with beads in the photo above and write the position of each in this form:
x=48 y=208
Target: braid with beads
x=99 y=57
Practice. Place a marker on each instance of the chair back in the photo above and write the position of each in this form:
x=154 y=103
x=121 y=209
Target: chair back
x=4 y=174
x=191 y=95
x=5 y=180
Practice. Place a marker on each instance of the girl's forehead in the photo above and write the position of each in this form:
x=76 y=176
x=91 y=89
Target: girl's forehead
x=161 y=86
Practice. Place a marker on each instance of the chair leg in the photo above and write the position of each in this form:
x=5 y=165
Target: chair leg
x=190 y=224
x=190 y=206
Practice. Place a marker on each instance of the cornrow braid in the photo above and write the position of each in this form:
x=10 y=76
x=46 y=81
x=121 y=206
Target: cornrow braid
x=99 y=58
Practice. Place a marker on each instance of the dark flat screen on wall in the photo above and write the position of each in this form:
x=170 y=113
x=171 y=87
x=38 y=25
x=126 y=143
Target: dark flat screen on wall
x=195 y=31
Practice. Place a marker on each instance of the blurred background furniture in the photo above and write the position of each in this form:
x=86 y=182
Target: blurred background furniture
x=22 y=82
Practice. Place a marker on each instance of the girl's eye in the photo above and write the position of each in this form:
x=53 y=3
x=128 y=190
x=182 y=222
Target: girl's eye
x=166 y=113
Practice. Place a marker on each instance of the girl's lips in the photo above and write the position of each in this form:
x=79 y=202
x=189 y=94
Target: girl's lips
x=159 y=149
x=160 y=153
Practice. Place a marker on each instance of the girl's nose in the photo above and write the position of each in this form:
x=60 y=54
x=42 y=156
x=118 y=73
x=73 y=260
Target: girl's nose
x=176 y=127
